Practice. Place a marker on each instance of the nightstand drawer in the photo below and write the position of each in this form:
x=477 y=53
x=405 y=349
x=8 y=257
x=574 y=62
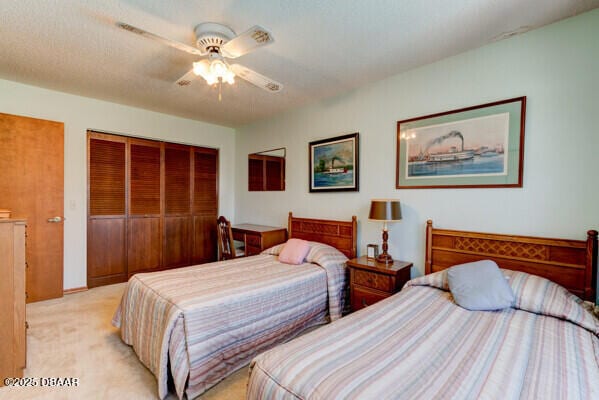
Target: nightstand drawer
x=362 y=297
x=373 y=280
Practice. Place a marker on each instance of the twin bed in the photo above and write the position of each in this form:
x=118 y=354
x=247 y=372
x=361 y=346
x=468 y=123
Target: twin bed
x=199 y=324
x=419 y=344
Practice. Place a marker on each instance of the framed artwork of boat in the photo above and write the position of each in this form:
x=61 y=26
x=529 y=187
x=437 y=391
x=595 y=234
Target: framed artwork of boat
x=473 y=147
x=334 y=164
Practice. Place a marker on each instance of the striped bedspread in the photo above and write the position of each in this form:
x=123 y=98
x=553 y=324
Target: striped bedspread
x=419 y=344
x=205 y=322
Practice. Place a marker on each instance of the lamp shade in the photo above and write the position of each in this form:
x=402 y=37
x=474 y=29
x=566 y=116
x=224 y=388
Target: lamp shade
x=385 y=210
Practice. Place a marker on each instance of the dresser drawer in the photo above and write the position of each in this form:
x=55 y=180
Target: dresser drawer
x=239 y=236
x=252 y=250
x=373 y=280
x=363 y=297
x=253 y=240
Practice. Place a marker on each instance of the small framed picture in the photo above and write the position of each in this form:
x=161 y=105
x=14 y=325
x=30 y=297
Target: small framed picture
x=372 y=251
x=334 y=164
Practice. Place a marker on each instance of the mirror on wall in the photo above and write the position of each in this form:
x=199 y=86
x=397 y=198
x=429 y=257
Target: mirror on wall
x=266 y=170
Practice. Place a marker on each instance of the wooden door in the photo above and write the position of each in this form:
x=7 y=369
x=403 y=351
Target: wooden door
x=144 y=231
x=107 y=214
x=32 y=187
x=177 y=205
x=205 y=205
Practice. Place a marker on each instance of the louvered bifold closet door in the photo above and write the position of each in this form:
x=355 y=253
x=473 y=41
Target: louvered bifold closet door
x=204 y=204
x=144 y=250
x=152 y=206
x=106 y=244
x=177 y=205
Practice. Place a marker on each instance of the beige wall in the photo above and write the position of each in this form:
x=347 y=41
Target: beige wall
x=556 y=67
x=80 y=114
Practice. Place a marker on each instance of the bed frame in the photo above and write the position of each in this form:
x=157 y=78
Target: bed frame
x=340 y=234
x=570 y=263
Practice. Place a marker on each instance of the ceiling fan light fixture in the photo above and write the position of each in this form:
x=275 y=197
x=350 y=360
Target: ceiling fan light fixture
x=214 y=70
x=201 y=68
x=229 y=77
x=218 y=68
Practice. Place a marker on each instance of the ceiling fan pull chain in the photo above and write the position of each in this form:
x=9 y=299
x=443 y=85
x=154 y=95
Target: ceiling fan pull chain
x=220 y=89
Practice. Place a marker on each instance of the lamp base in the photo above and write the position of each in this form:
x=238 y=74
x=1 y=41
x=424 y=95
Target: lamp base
x=384 y=258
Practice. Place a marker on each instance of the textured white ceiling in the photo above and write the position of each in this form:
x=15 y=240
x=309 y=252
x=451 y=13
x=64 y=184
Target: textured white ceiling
x=322 y=47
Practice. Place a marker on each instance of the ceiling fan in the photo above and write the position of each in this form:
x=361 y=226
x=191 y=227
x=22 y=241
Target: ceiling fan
x=218 y=43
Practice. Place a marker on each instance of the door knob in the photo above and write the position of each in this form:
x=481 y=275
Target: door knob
x=56 y=219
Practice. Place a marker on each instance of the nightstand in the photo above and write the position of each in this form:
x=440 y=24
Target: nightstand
x=371 y=281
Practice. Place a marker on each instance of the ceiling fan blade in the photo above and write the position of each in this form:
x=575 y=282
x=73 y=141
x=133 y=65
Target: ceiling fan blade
x=257 y=79
x=186 y=79
x=168 y=42
x=249 y=40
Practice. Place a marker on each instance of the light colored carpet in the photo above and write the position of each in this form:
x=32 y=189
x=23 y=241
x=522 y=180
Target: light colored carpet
x=72 y=337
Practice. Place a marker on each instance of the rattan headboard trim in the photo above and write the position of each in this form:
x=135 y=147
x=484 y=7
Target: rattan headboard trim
x=340 y=234
x=571 y=263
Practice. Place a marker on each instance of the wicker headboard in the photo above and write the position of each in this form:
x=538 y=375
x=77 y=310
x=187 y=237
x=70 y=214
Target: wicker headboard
x=340 y=234
x=570 y=263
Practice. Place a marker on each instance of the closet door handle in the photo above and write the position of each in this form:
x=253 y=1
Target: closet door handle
x=56 y=219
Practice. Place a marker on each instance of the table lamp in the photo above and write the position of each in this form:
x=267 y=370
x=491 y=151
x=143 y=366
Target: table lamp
x=387 y=211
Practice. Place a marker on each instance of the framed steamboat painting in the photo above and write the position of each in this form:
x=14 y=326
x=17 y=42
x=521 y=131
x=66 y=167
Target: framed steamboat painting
x=334 y=164
x=473 y=147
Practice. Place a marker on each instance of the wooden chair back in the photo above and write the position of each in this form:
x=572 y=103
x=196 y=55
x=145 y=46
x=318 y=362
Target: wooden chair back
x=226 y=247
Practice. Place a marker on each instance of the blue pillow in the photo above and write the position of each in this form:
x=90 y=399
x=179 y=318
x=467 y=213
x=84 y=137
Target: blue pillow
x=479 y=286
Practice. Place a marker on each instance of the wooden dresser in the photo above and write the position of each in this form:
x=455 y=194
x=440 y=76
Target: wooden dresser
x=371 y=281
x=12 y=292
x=258 y=237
